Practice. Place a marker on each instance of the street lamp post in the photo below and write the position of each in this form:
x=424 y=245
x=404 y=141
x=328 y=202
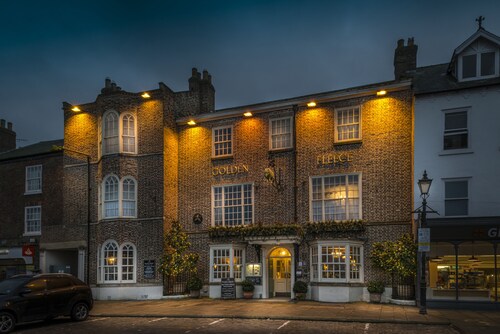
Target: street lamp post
x=424 y=184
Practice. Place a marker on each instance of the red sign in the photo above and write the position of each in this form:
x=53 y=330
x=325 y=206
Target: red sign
x=28 y=250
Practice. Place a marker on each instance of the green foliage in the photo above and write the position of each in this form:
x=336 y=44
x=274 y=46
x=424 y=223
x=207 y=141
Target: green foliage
x=300 y=287
x=376 y=287
x=176 y=258
x=396 y=257
x=247 y=285
x=194 y=283
x=280 y=229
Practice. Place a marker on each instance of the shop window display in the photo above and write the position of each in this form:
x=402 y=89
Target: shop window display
x=470 y=272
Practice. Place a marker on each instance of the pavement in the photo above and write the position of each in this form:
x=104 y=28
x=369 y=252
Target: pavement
x=464 y=321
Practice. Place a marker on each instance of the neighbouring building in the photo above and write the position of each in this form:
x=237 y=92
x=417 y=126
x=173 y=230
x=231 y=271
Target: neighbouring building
x=457 y=141
x=30 y=205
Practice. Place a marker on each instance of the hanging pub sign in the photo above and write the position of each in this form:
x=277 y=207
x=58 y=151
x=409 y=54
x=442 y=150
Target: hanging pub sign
x=149 y=269
x=28 y=250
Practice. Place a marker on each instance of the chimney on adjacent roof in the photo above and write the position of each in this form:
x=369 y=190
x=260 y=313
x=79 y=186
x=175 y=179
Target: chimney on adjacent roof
x=7 y=137
x=405 y=59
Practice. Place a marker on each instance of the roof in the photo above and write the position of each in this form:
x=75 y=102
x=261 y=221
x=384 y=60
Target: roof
x=329 y=96
x=43 y=147
x=436 y=78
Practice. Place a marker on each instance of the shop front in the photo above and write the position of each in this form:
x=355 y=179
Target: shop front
x=463 y=262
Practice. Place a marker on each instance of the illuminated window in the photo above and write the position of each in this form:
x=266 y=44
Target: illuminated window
x=478 y=61
x=119 y=197
x=119 y=133
x=222 y=139
x=347 y=124
x=333 y=261
x=280 y=133
x=232 y=205
x=110 y=133
x=226 y=262
x=456 y=134
x=117 y=264
x=456 y=193
x=128 y=133
x=33 y=220
x=335 y=197
x=33 y=179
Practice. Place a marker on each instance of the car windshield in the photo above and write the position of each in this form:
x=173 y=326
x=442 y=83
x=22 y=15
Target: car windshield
x=9 y=285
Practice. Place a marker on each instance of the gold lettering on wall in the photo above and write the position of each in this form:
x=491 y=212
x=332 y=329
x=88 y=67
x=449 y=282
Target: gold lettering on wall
x=229 y=170
x=333 y=159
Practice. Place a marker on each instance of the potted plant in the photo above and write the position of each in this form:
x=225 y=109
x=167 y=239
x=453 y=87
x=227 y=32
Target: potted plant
x=300 y=289
x=376 y=289
x=194 y=285
x=248 y=287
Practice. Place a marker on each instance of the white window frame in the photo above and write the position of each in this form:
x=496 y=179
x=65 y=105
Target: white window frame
x=118 y=263
x=346 y=206
x=214 y=142
x=125 y=137
x=272 y=135
x=120 y=136
x=456 y=131
x=242 y=205
x=477 y=48
x=337 y=125
x=233 y=272
x=318 y=269
x=28 y=177
x=121 y=198
x=450 y=180
x=29 y=218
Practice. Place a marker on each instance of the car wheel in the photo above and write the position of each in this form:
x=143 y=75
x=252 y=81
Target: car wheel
x=7 y=322
x=80 y=312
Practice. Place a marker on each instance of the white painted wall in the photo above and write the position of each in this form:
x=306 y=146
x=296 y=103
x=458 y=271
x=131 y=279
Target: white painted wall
x=127 y=293
x=481 y=162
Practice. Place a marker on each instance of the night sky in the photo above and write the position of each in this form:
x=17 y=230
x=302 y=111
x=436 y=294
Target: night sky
x=256 y=51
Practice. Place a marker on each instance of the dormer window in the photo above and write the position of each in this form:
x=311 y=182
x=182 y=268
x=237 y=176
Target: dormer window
x=478 y=61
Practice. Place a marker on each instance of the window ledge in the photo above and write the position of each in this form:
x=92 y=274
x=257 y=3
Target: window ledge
x=280 y=150
x=33 y=192
x=346 y=142
x=456 y=151
x=32 y=234
x=223 y=157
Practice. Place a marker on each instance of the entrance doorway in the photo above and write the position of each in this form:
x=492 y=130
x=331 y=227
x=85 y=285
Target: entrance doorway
x=280 y=273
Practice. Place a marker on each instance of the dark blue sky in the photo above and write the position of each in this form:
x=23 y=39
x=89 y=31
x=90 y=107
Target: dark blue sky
x=54 y=51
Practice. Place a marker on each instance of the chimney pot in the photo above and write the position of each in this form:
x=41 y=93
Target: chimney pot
x=2 y=123
x=9 y=126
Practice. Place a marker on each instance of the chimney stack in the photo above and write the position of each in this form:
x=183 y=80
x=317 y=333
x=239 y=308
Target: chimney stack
x=7 y=137
x=405 y=59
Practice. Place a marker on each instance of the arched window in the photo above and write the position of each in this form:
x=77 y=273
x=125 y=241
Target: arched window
x=129 y=198
x=110 y=133
x=118 y=133
x=119 y=197
x=128 y=133
x=110 y=261
x=128 y=263
x=117 y=264
x=111 y=201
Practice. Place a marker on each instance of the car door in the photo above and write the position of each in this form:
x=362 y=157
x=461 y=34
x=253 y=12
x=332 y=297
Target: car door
x=60 y=291
x=32 y=302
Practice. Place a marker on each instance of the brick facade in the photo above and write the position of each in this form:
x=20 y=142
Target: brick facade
x=175 y=173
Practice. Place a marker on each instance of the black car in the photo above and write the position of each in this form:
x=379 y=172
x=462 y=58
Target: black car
x=26 y=298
